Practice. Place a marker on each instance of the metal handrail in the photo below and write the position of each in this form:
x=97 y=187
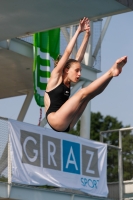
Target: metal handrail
x=119 y=155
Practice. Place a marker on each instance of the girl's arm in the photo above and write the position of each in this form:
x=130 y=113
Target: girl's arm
x=83 y=26
x=82 y=49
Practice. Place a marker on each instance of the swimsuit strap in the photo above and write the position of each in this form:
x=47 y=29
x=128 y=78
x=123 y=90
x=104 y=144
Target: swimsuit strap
x=55 y=88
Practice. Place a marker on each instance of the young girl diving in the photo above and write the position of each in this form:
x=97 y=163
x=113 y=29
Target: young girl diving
x=63 y=112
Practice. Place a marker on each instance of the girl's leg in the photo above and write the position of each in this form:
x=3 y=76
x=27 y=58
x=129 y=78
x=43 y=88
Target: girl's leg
x=62 y=118
x=79 y=112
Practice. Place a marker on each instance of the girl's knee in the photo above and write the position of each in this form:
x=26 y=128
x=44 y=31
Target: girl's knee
x=83 y=93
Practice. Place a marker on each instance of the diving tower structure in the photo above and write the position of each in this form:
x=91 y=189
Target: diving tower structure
x=22 y=19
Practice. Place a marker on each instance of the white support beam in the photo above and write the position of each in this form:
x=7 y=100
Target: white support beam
x=65 y=33
x=76 y=87
x=18 y=46
x=71 y=32
x=25 y=106
x=101 y=38
x=86 y=119
x=88 y=53
x=70 y=36
x=9 y=170
x=88 y=73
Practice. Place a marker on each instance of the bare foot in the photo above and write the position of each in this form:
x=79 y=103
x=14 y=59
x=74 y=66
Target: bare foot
x=117 y=67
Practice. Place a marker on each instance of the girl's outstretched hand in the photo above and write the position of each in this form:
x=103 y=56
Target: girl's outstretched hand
x=84 y=25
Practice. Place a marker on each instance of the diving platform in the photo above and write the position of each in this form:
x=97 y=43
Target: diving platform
x=25 y=192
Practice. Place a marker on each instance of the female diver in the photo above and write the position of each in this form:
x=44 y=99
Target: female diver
x=63 y=112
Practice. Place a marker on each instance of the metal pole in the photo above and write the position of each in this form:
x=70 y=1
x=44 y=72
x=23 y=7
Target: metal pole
x=25 y=106
x=71 y=35
x=9 y=170
x=101 y=38
x=88 y=59
x=43 y=122
x=71 y=32
x=101 y=137
x=86 y=119
x=120 y=167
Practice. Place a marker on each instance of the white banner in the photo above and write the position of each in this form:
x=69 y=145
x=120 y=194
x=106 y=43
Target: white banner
x=41 y=156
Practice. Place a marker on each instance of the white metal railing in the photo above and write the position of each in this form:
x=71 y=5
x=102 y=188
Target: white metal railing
x=120 y=189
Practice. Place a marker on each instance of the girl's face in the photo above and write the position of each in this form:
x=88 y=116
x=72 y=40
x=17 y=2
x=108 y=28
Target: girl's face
x=74 y=72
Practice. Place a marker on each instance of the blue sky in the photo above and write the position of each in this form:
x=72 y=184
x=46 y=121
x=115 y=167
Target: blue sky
x=117 y=99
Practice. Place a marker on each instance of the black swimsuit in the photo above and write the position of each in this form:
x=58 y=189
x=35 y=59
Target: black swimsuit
x=58 y=96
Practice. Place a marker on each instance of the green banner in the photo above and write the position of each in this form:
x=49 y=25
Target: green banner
x=46 y=45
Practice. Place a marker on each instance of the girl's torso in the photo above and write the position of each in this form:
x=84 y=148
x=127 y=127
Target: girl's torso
x=56 y=97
